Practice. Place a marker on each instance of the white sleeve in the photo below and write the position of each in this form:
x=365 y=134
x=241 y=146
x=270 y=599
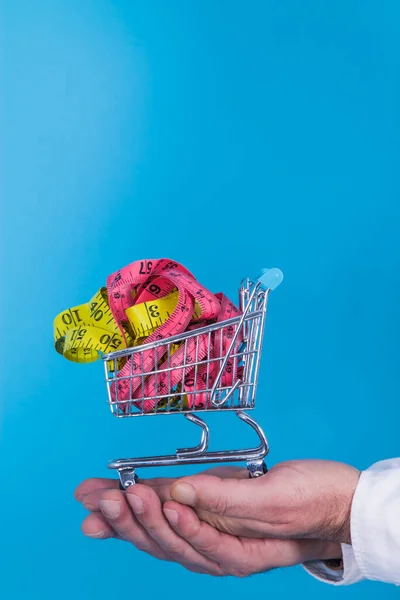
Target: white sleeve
x=375 y=530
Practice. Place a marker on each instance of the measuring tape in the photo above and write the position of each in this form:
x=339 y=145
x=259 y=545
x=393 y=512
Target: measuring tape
x=83 y=333
x=147 y=301
x=145 y=317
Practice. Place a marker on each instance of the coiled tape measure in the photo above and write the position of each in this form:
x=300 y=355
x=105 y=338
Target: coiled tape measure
x=146 y=301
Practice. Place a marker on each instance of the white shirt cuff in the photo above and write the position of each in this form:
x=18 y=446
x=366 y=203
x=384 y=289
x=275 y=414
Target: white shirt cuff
x=346 y=576
x=375 y=530
x=375 y=522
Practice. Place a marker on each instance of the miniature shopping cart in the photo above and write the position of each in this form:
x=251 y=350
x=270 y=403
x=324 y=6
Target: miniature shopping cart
x=242 y=356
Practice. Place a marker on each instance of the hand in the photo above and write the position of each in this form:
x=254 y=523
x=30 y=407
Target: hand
x=297 y=499
x=137 y=516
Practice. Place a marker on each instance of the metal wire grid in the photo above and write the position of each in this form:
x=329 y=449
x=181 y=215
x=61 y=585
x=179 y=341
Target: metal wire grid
x=244 y=361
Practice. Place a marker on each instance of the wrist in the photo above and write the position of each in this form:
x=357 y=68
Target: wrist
x=331 y=552
x=322 y=550
x=344 y=498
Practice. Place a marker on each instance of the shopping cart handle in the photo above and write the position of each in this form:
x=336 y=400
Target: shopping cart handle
x=270 y=278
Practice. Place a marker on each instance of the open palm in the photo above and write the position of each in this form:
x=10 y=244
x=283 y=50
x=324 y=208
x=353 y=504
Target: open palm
x=147 y=517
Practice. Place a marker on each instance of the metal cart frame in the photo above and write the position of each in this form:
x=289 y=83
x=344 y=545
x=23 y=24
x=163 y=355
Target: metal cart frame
x=235 y=391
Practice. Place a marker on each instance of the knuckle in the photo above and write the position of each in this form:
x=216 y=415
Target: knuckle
x=126 y=532
x=207 y=547
x=152 y=529
x=192 y=533
x=219 y=504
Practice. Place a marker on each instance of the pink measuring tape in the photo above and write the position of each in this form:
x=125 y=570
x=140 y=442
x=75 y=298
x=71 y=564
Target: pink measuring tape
x=147 y=280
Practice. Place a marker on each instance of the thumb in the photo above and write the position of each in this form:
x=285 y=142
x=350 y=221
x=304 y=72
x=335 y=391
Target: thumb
x=226 y=497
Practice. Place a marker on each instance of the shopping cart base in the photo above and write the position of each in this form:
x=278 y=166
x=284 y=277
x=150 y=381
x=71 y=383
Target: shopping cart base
x=254 y=457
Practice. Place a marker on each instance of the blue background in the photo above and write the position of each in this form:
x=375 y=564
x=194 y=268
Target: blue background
x=229 y=136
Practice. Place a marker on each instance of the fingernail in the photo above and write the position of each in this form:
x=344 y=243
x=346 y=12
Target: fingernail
x=88 y=506
x=171 y=515
x=136 y=503
x=110 y=508
x=98 y=534
x=184 y=493
x=79 y=497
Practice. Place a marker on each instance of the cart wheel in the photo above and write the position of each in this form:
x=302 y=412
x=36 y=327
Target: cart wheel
x=257 y=468
x=127 y=477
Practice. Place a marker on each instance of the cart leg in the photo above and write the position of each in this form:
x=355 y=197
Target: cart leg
x=127 y=477
x=256 y=468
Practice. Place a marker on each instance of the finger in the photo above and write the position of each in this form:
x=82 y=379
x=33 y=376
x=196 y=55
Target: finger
x=96 y=526
x=237 y=556
x=93 y=484
x=90 y=491
x=237 y=526
x=117 y=513
x=242 y=498
x=163 y=485
x=225 y=549
x=148 y=510
x=92 y=501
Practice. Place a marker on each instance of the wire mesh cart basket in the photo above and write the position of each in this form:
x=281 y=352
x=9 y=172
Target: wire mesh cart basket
x=218 y=372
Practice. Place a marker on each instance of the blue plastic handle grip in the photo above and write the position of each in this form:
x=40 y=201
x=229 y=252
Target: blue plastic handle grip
x=270 y=278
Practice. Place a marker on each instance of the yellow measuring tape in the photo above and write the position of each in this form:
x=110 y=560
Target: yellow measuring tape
x=85 y=332
x=145 y=317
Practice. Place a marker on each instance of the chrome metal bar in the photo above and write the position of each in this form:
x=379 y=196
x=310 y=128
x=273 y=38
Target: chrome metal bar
x=205 y=438
x=251 y=454
x=241 y=354
x=229 y=394
x=175 y=460
x=179 y=337
x=247 y=419
x=184 y=412
x=260 y=343
x=169 y=394
x=162 y=397
x=215 y=402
